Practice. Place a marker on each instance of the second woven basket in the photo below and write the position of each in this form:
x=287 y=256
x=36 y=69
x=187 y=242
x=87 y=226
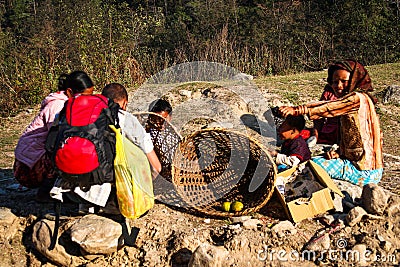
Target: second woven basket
x=212 y=166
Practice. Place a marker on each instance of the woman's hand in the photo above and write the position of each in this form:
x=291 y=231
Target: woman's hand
x=286 y=111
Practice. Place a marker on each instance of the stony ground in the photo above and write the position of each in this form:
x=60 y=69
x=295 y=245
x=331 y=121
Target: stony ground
x=171 y=237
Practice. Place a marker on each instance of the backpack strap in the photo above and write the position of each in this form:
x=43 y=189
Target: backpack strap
x=52 y=136
x=114 y=108
x=57 y=209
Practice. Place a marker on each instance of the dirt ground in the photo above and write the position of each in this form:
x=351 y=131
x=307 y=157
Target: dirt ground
x=168 y=237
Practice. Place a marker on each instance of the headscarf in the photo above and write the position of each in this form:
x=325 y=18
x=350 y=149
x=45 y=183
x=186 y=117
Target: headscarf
x=359 y=77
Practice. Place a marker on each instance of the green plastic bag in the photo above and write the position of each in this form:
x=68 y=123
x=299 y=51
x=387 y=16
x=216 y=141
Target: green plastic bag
x=133 y=179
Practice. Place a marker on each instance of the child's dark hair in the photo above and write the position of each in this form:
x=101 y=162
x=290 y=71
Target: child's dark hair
x=78 y=81
x=115 y=91
x=160 y=105
x=297 y=122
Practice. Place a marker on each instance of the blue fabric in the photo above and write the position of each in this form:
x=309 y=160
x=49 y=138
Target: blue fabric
x=343 y=169
x=282 y=167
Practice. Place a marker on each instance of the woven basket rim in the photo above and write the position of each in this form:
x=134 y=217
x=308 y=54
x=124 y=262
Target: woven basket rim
x=156 y=114
x=221 y=129
x=246 y=211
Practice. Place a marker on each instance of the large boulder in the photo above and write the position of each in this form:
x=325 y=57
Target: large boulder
x=96 y=234
x=8 y=223
x=392 y=95
x=41 y=239
x=374 y=199
x=207 y=255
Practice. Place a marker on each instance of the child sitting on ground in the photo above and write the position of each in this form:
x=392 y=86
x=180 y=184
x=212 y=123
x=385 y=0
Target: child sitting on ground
x=130 y=125
x=164 y=137
x=134 y=131
x=294 y=149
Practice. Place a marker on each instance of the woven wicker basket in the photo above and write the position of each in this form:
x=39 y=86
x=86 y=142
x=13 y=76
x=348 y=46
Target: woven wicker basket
x=212 y=166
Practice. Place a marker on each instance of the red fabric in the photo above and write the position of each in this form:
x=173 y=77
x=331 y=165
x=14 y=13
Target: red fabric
x=81 y=110
x=305 y=134
x=33 y=177
x=87 y=160
x=78 y=113
x=328 y=128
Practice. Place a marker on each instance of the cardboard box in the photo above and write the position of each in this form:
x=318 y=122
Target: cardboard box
x=320 y=201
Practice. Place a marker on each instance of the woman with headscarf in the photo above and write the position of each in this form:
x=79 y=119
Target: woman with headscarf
x=359 y=159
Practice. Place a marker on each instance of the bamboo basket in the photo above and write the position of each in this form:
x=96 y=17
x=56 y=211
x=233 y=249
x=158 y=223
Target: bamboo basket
x=212 y=166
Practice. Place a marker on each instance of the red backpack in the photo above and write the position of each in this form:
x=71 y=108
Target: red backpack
x=81 y=144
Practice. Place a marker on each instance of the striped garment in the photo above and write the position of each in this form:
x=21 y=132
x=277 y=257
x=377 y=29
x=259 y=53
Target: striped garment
x=361 y=137
x=343 y=169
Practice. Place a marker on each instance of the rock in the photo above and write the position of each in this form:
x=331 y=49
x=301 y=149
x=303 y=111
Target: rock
x=284 y=228
x=251 y=224
x=393 y=206
x=8 y=223
x=321 y=243
x=391 y=95
x=237 y=243
x=6 y=216
x=197 y=94
x=338 y=203
x=329 y=219
x=90 y=257
x=240 y=219
x=96 y=234
x=243 y=77
x=351 y=192
x=186 y=93
x=374 y=199
x=182 y=240
x=360 y=254
x=41 y=239
x=207 y=255
x=355 y=216
x=234 y=226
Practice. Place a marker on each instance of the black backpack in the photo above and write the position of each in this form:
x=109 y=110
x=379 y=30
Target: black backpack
x=82 y=145
x=80 y=142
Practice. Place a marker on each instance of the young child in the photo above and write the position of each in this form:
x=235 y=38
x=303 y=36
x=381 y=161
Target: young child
x=164 y=137
x=294 y=149
x=134 y=131
x=32 y=166
x=163 y=108
x=130 y=125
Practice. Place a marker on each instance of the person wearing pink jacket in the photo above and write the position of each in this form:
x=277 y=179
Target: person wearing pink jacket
x=33 y=167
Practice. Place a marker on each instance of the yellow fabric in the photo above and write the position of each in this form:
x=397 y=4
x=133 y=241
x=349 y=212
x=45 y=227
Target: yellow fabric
x=132 y=178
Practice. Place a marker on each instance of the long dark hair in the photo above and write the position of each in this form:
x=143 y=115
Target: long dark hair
x=78 y=81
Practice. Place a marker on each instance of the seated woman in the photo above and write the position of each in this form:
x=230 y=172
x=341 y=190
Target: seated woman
x=359 y=159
